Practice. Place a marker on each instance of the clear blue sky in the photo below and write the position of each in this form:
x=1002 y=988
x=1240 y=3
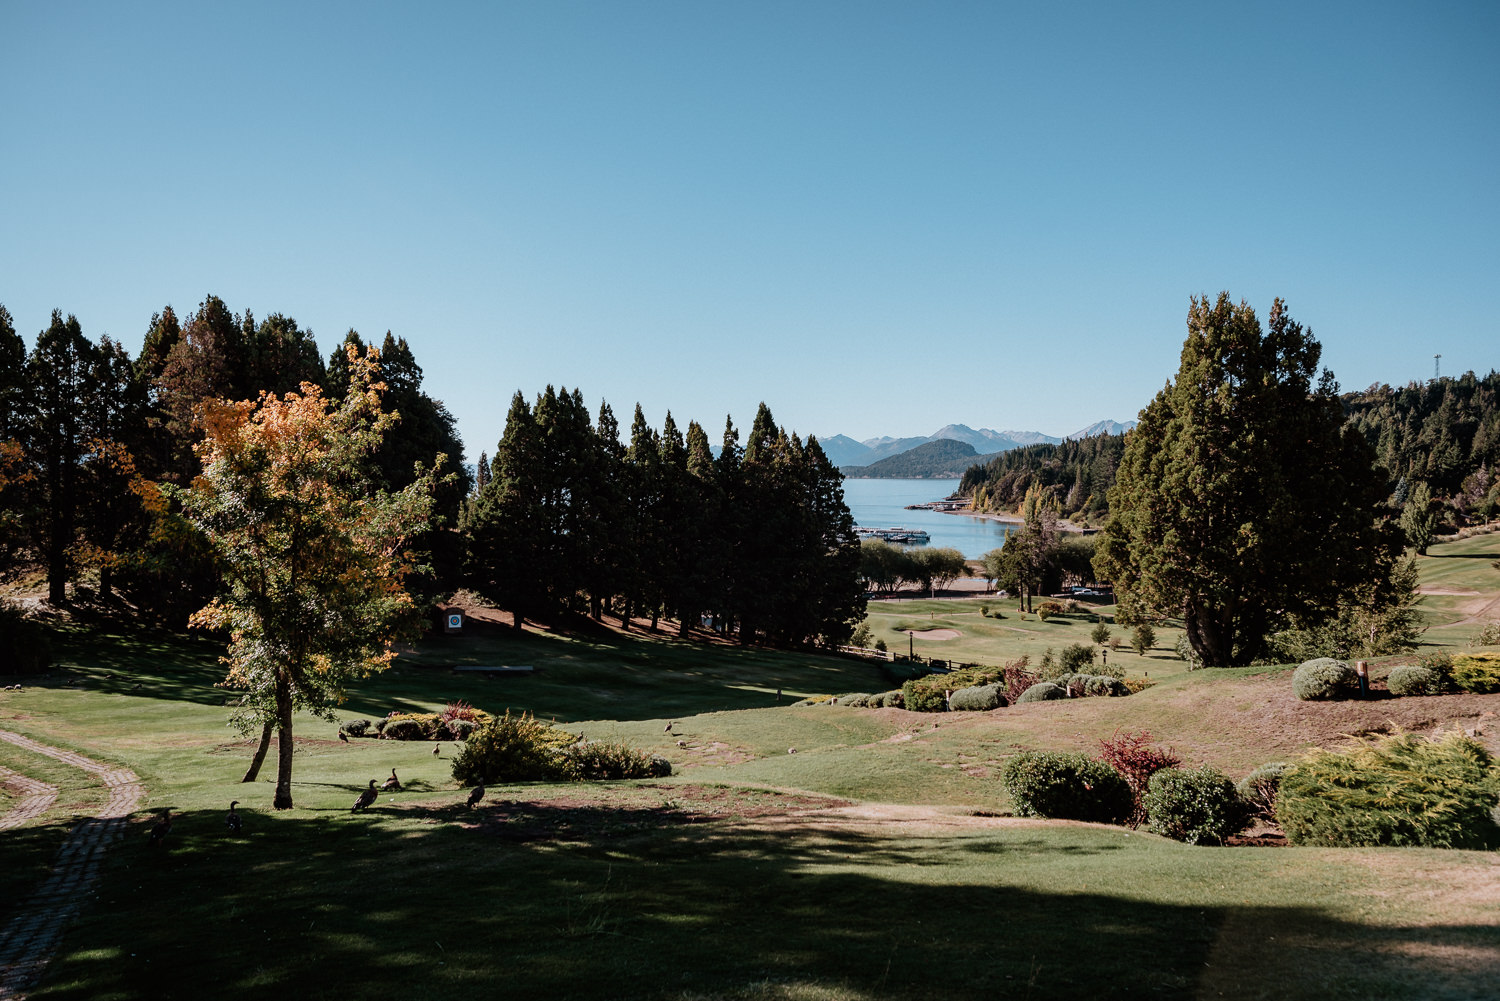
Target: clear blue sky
x=878 y=218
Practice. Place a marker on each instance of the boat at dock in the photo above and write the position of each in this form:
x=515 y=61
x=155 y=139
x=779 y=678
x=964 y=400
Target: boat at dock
x=903 y=536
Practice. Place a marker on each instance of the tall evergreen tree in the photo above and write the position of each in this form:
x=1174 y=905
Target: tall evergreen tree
x=115 y=417
x=502 y=527
x=14 y=470
x=57 y=377
x=1240 y=502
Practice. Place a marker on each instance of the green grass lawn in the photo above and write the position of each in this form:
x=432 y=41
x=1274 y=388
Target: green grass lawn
x=717 y=882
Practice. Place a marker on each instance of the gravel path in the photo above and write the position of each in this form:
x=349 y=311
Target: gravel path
x=33 y=932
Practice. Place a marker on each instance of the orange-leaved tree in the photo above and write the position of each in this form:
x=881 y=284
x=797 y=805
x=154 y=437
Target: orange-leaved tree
x=311 y=554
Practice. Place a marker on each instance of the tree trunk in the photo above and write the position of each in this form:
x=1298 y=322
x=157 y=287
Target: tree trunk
x=106 y=581
x=518 y=620
x=284 y=746
x=260 y=752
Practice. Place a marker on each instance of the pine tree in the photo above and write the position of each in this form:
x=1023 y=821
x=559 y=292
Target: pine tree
x=1240 y=503
x=502 y=528
x=57 y=379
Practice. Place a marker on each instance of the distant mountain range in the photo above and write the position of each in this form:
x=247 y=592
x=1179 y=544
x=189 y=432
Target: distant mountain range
x=844 y=451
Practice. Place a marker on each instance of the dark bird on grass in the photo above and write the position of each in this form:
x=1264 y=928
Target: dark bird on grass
x=392 y=784
x=163 y=828
x=476 y=794
x=682 y=743
x=437 y=750
x=366 y=797
x=233 y=820
x=343 y=736
x=137 y=687
x=669 y=726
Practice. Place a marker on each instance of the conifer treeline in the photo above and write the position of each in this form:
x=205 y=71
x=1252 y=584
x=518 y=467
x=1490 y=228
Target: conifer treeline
x=80 y=421
x=756 y=541
x=566 y=518
x=1445 y=433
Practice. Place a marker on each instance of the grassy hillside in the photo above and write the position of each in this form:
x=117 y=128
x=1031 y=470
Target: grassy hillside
x=871 y=863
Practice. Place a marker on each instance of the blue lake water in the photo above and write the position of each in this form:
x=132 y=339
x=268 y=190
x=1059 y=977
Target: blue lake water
x=882 y=504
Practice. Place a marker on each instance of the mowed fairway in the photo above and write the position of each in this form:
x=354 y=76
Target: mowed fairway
x=874 y=862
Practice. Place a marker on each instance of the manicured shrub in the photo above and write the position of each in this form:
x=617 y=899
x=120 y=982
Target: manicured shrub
x=1137 y=685
x=1066 y=785
x=978 y=698
x=1197 y=805
x=922 y=698
x=1100 y=633
x=1076 y=656
x=893 y=699
x=1412 y=680
x=1051 y=608
x=403 y=729
x=1325 y=678
x=859 y=700
x=1142 y=638
x=510 y=748
x=1396 y=790
x=1042 y=691
x=356 y=727
x=1477 y=672
x=1135 y=757
x=604 y=760
x=460 y=729
x=1258 y=790
x=1096 y=685
x=814 y=700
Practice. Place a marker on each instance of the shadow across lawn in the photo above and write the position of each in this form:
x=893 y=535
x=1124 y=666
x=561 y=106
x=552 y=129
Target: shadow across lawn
x=565 y=900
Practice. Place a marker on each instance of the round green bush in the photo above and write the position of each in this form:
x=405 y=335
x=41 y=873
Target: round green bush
x=1066 y=785
x=923 y=698
x=1198 y=805
x=1397 y=790
x=459 y=729
x=1325 y=678
x=1098 y=685
x=859 y=700
x=403 y=729
x=511 y=749
x=894 y=699
x=978 y=698
x=1075 y=656
x=356 y=727
x=1257 y=791
x=1042 y=691
x=1411 y=680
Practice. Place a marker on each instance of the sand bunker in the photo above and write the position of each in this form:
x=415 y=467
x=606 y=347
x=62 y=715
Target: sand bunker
x=934 y=634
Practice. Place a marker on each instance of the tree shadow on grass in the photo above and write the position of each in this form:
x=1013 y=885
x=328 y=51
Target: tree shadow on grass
x=565 y=900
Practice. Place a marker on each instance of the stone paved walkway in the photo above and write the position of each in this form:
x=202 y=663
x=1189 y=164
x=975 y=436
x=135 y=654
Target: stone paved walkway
x=31 y=936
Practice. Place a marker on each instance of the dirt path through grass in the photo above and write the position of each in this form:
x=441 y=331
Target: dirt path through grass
x=29 y=939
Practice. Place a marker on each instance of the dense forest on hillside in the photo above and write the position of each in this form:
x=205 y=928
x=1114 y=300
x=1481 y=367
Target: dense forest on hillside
x=1444 y=434
x=1076 y=475
x=97 y=447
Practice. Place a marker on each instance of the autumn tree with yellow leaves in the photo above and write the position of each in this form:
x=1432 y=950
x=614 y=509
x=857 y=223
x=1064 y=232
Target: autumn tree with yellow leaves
x=312 y=553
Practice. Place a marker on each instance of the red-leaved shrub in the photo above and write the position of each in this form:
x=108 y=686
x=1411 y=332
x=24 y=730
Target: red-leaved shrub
x=1136 y=757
